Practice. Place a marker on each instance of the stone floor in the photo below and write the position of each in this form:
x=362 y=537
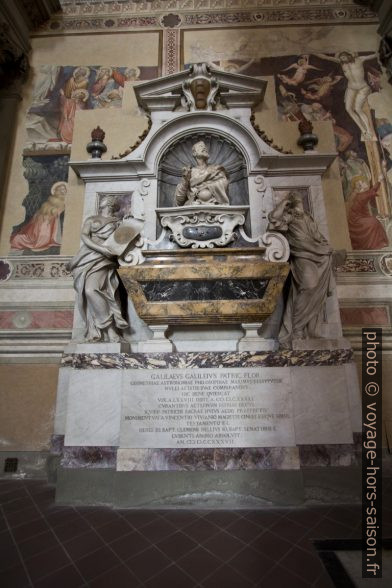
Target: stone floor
x=49 y=546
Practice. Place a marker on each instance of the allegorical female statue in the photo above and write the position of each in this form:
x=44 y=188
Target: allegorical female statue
x=95 y=276
x=203 y=184
x=311 y=269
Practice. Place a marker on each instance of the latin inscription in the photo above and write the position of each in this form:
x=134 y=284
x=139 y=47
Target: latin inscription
x=209 y=407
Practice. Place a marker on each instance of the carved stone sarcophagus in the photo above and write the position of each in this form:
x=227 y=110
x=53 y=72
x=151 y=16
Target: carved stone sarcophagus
x=215 y=286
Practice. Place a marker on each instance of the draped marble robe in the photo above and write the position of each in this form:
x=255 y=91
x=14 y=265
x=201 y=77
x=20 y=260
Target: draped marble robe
x=96 y=282
x=311 y=273
x=212 y=178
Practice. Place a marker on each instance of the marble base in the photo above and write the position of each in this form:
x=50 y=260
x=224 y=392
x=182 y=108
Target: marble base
x=165 y=490
x=322 y=410
x=321 y=343
x=159 y=342
x=252 y=341
x=223 y=459
x=31 y=464
x=208 y=490
x=248 y=359
x=104 y=347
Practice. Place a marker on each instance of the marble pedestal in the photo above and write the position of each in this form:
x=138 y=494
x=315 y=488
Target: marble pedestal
x=246 y=424
x=159 y=342
x=252 y=341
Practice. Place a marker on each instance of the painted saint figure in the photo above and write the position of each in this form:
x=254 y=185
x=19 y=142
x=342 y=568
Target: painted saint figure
x=130 y=74
x=43 y=230
x=73 y=97
x=351 y=167
x=46 y=81
x=357 y=90
x=384 y=130
x=311 y=270
x=203 y=184
x=366 y=231
x=102 y=84
x=95 y=277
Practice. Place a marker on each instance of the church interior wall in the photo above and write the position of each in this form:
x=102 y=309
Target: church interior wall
x=26 y=406
x=28 y=389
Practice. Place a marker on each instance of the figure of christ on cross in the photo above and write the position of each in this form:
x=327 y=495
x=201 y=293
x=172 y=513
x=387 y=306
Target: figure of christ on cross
x=357 y=90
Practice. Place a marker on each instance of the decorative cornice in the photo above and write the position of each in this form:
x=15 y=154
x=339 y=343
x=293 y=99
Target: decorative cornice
x=366 y=266
x=34 y=267
x=113 y=7
x=230 y=90
x=129 y=15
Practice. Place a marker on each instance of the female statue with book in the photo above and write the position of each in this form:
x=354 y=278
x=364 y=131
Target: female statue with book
x=94 y=272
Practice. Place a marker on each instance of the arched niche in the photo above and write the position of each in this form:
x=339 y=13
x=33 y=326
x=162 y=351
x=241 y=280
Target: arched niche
x=222 y=152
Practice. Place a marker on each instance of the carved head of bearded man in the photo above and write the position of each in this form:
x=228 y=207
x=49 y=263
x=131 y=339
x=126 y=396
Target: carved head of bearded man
x=200 y=151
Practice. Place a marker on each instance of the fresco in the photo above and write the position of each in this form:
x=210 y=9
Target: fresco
x=337 y=88
x=41 y=230
x=60 y=91
x=345 y=88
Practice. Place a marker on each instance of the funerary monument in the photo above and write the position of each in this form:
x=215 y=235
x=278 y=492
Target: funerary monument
x=207 y=366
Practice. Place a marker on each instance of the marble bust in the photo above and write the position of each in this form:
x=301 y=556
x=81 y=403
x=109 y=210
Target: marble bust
x=202 y=184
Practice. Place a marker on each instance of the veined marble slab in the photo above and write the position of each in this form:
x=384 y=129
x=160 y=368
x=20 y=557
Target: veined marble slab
x=321 y=405
x=93 y=408
x=206 y=359
x=130 y=400
x=222 y=459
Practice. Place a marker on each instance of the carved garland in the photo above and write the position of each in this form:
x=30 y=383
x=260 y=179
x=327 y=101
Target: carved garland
x=138 y=142
x=265 y=137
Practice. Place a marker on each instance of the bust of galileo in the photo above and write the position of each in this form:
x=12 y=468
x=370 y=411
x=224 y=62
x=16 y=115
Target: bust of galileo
x=203 y=184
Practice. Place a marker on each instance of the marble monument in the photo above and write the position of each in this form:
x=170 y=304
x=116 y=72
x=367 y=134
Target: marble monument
x=205 y=250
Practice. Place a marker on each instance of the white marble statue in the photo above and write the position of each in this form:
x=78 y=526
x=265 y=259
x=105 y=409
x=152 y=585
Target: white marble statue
x=203 y=184
x=94 y=271
x=311 y=270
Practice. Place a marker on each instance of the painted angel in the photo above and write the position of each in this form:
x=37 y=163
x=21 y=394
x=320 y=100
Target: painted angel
x=301 y=69
x=320 y=87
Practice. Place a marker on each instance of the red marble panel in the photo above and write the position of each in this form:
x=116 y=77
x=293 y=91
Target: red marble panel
x=36 y=319
x=362 y=316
